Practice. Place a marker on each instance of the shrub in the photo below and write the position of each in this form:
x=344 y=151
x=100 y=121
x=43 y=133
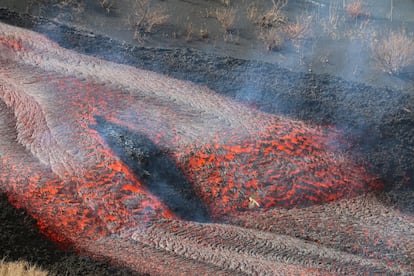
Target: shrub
x=226 y=17
x=76 y=6
x=355 y=9
x=272 y=38
x=189 y=30
x=107 y=5
x=144 y=17
x=252 y=13
x=331 y=24
x=225 y=2
x=393 y=52
x=272 y=17
x=20 y=269
x=270 y=23
x=299 y=29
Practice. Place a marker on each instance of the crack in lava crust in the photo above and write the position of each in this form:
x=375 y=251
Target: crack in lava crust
x=83 y=143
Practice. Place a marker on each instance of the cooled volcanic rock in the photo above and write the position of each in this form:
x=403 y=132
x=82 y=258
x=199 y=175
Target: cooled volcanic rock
x=167 y=177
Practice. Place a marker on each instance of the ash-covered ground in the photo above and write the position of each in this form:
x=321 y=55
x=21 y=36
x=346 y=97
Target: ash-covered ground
x=378 y=121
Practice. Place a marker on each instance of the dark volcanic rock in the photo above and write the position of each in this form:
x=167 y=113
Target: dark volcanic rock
x=21 y=240
x=379 y=122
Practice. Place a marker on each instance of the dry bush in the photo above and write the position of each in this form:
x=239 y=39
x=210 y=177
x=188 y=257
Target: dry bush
x=355 y=9
x=331 y=25
x=270 y=23
x=362 y=31
x=274 y=16
x=393 y=52
x=189 y=30
x=268 y=18
x=231 y=37
x=272 y=38
x=204 y=34
x=144 y=17
x=252 y=13
x=20 y=269
x=76 y=6
x=107 y=5
x=300 y=29
x=225 y=2
x=226 y=18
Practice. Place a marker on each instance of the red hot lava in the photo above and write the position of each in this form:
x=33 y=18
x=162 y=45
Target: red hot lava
x=64 y=167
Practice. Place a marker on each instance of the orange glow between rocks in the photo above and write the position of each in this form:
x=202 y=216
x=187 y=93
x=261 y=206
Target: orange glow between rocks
x=8 y=42
x=287 y=165
x=226 y=175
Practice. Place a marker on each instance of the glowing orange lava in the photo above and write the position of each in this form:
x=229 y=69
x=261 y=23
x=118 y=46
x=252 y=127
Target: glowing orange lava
x=68 y=170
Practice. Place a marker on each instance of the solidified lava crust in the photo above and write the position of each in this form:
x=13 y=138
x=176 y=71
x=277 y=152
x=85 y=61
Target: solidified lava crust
x=125 y=163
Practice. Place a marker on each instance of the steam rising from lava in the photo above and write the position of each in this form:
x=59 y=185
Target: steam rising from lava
x=82 y=151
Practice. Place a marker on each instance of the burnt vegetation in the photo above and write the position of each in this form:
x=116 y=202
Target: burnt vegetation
x=270 y=22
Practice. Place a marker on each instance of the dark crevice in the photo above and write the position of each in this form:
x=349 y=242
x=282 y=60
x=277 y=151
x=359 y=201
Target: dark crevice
x=154 y=168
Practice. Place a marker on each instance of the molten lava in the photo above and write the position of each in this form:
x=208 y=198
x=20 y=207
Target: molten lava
x=130 y=164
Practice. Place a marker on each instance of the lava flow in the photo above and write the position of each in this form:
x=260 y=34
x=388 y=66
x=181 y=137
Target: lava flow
x=125 y=163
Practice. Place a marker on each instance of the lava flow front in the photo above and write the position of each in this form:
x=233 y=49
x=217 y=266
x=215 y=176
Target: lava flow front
x=141 y=168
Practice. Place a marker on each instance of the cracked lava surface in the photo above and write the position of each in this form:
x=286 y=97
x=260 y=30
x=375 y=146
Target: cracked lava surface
x=165 y=176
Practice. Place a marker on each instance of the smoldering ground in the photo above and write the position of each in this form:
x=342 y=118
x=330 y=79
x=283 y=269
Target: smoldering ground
x=378 y=121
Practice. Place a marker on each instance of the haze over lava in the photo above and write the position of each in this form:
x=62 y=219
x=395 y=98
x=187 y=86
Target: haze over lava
x=163 y=175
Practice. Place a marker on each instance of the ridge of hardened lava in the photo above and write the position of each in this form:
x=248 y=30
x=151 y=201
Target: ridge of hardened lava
x=162 y=175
